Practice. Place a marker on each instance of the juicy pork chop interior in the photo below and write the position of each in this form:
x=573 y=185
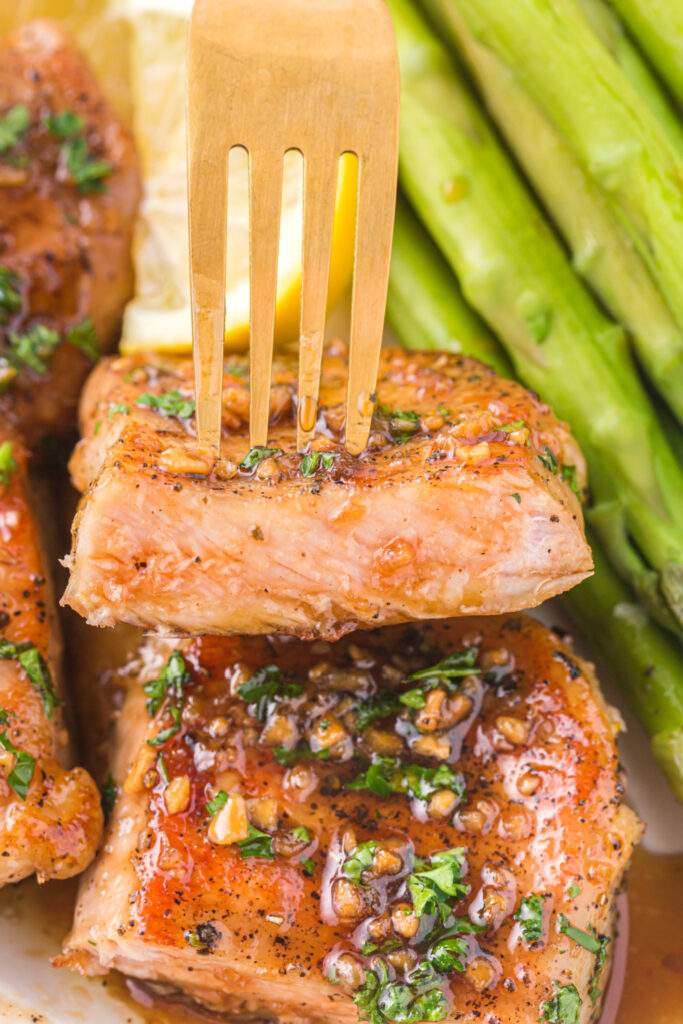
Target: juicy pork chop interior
x=69 y=189
x=50 y=817
x=426 y=822
x=465 y=502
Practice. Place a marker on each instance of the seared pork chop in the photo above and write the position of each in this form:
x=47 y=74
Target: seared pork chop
x=50 y=817
x=69 y=189
x=426 y=822
x=462 y=503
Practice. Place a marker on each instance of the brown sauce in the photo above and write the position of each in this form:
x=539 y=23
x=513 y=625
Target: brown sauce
x=653 y=990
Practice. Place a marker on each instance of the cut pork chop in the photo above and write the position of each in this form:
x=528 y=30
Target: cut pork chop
x=50 y=817
x=462 y=504
x=69 y=189
x=426 y=822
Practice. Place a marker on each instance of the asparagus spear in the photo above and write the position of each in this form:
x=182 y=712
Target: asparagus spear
x=515 y=274
x=602 y=252
x=610 y=30
x=643 y=659
x=425 y=307
x=658 y=26
x=608 y=125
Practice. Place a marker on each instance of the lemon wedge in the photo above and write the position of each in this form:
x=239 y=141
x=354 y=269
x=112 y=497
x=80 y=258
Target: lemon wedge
x=158 y=317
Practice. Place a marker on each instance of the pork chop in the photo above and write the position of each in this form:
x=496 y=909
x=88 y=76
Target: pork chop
x=426 y=822
x=463 y=503
x=50 y=816
x=69 y=189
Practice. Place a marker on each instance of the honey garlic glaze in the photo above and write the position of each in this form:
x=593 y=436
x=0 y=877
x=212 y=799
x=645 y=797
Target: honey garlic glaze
x=411 y=823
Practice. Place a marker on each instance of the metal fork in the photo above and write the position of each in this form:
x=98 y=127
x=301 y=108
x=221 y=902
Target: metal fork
x=321 y=77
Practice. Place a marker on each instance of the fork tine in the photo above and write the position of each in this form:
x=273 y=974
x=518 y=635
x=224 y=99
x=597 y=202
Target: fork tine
x=320 y=181
x=265 y=192
x=207 y=228
x=374 y=229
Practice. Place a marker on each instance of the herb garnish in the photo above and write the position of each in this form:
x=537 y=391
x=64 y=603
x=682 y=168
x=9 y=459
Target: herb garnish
x=509 y=428
x=594 y=987
x=267 y=685
x=117 y=409
x=301 y=752
x=84 y=336
x=380 y=705
x=10 y=299
x=380 y=1000
x=170 y=403
x=33 y=664
x=401 y=423
x=455 y=666
x=530 y=918
x=313 y=461
x=108 y=793
x=34 y=348
x=257 y=455
x=13 y=126
x=257 y=844
x=85 y=172
x=360 y=858
x=170 y=682
x=24 y=764
x=564 y=1007
x=568 y=474
x=217 y=803
x=581 y=938
x=549 y=459
x=437 y=881
x=171 y=730
x=301 y=833
x=309 y=866
x=7 y=463
x=387 y=775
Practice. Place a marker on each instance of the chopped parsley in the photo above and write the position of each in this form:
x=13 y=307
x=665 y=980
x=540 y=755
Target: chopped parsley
x=203 y=937
x=7 y=463
x=217 y=803
x=530 y=918
x=437 y=881
x=170 y=682
x=594 y=987
x=455 y=666
x=573 y=891
x=301 y=752
x=313 y=461
x=309 y=866
x=568 y=474
x=577 y=935
x=267 y=685
x=516 y=497
x=170 y=403
x=163 y=770
x=564 y=1007
x=171 y=730
x=400 y=423
x=33 y=664
x=360 y=858
x=380 y=705
x=10 y=298
x=86 y=173
x=549 y=460
x=301 y=834
x=380 y=1000
x=386 y=775
x=84 y=336
x=108 y=793
x=65 y=124
x=257 y=455
x=24 y=764
x=509 y=428
x=117 y=409
x=34 y=348
x=257 y=844
x=13 y=126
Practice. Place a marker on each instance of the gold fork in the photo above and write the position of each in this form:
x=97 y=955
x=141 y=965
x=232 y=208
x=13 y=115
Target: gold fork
x=321 y=77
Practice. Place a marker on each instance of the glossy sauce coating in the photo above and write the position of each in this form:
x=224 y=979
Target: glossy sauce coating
x=69 y=250
x=252 y=934
x=54 y=830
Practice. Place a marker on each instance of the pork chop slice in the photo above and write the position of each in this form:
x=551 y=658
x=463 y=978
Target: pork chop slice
x=50 y=815
x=69 y=190
x=414 y=823
x=462 y=503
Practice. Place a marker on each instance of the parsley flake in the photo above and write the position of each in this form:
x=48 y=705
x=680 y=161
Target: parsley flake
x=257 y=455
x=35 y=667
x=530 y=918
x=257 y=844
x=10 y=298
x=437 y=881
x=108 y=793
x=84 y=336
x=170 y=403
x=313 y=461
x=577 y=935
x=564 y=1007
x=217 y=803
x=7 y=463
x=34 y=348
x=13 y=126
